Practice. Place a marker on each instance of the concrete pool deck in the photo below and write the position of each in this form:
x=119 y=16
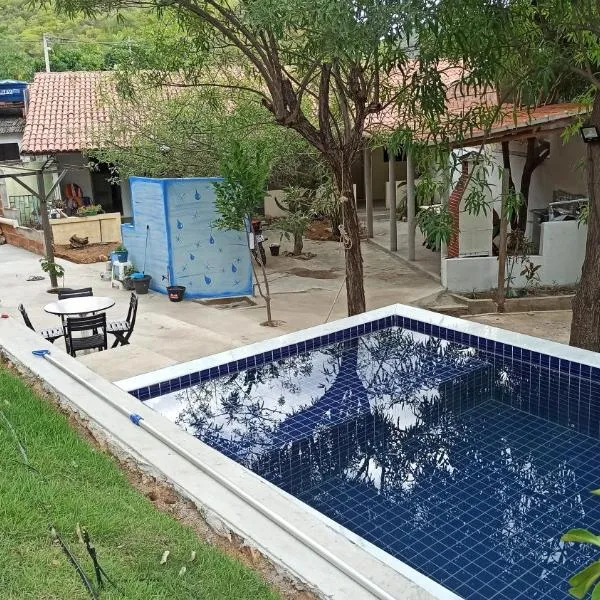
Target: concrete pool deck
x=304 y=292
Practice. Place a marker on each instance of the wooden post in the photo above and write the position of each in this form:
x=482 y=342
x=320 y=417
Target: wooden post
x=410 y=204
x=47 y=228
x=502 y=243
x=392 y=200
x=368 y=177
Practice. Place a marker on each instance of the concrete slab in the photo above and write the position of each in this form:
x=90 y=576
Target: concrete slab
x=124 y=360
x=305 y=293
x=425 y=260
x=552 y=325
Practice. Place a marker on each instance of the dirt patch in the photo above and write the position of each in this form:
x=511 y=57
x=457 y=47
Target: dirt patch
x=92 y=253
x=319 y=230
x=169 y=501
x=531 y=292
x=313 y=273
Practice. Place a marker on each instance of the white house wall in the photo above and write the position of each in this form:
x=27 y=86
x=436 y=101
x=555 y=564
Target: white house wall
x=562 y=170
x=561 y=259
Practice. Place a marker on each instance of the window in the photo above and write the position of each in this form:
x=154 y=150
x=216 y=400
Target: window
x=9 y=152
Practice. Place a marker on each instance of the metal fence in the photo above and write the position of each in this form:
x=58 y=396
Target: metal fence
x=29 y=210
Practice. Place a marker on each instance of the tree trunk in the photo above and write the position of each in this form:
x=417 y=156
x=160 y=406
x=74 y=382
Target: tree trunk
x=537 y=152
x=585 y=327
x=501 y=292
x=355 y=289
x=298 y=244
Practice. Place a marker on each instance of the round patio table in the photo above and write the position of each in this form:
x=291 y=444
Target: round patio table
x=79 y=306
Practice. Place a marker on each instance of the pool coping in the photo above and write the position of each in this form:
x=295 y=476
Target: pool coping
x=485 y=337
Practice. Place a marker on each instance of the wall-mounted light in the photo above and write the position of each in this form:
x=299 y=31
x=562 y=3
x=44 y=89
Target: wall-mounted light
x=590 y=133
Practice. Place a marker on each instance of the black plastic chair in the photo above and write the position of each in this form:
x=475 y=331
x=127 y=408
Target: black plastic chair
x=95 y=324
x=122 y=330
x=48 y=334
x=81 y=293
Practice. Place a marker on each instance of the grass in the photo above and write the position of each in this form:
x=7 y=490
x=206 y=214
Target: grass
x=69 y=483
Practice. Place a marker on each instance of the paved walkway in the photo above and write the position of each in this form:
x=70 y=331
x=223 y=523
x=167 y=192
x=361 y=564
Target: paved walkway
x=425 y=260
x=304 y=292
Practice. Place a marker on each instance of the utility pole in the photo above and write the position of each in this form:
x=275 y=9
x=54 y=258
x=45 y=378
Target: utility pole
x=41 y=185
x=45 y=43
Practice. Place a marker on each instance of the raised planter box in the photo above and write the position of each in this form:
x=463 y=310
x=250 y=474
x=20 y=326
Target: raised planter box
x=479 y=306
x=98 y=228
x=22 y=237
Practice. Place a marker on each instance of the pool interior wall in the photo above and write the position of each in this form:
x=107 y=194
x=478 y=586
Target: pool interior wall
x=464 y=457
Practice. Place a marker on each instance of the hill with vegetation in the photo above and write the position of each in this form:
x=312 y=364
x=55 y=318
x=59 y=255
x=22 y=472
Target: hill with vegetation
x=78 y=44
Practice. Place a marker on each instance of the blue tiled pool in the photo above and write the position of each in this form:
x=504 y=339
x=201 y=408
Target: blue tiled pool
x=463 y=458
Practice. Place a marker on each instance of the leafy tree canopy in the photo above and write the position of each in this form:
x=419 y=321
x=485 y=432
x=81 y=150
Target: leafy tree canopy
x=77 y=44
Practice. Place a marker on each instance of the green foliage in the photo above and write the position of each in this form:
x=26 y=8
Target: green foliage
x=52 y=268
x=299 y=207
x=241 y=193
x=90 y=211
x=77 y=44
x=584 y=215
x=436 y=224
x=582 y=582
x=49 y=474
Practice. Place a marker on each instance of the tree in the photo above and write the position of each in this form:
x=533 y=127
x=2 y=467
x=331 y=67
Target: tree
x=323 y=69
x=242 y=191
x=534 y=46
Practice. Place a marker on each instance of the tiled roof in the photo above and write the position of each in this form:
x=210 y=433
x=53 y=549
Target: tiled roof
x=65 y=110
x=10 y=125
x=514 y=121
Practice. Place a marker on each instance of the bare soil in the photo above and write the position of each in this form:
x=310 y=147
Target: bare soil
x=319 y=230
x=534 y=291
x=92 y=253
x=169 y=501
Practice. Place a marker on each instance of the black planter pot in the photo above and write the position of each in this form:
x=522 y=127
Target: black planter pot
x=175 y=292
x=128 y=284
x=142 y=284
x=274 y=248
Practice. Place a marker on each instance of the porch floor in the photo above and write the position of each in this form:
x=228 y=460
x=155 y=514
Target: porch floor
x=425 y=260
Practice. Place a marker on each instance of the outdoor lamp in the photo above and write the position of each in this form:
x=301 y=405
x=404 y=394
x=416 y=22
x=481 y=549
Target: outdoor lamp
x=590 y=133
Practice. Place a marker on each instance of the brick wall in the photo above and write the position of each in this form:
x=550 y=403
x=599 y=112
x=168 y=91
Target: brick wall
x=454 y=208
x=29 y=239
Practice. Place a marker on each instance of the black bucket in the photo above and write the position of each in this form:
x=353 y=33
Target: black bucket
x=141 y=284
x=175 y=292
x=274 y=248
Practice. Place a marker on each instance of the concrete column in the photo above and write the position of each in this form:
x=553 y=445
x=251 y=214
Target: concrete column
x=368 y=176
x=410 y=204
x=392 y=200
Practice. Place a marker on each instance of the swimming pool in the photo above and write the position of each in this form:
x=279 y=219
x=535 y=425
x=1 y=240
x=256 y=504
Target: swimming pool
x=460 y=455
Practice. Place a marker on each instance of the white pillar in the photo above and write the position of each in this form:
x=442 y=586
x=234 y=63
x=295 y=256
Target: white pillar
x=368 y=177
x=410 y=204
x=392 y=200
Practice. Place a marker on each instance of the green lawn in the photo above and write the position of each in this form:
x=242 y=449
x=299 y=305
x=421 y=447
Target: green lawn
x=77 y=484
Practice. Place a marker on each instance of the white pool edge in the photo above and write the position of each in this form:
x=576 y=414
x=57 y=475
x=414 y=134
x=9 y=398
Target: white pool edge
x=496 y=334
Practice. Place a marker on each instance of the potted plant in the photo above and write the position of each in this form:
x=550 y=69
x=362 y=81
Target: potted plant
x=90 y=211
x=274 y=248
x=127 y=281
x=175 y=292
x=120 y=253
x=141 y=282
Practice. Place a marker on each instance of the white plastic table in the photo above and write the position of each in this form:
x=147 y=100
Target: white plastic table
x=79 y=306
